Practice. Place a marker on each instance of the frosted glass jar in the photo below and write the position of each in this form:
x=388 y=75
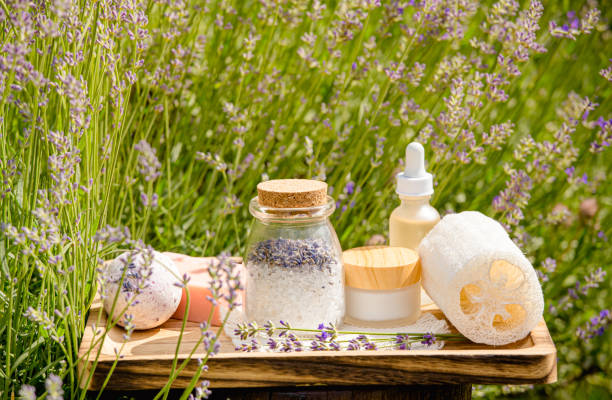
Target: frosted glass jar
x=294 y=266
x=382 y=285
x=386 y=306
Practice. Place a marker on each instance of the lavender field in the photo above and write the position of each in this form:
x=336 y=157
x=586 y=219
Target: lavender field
x=147 y=124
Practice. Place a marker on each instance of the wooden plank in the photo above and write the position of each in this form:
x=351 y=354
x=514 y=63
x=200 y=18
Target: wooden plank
x=147 y=358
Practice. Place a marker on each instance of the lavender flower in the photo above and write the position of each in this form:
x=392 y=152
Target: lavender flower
x=27 y=392
x=575 y=26
x=290 y=343
x=148 y=164
x=246 y=330
x=601 y=235
x=214 y=161
x=428 y=339
x=548 y=266
x=269 y=328
x=136 y=270
x=515 y=196
x=380 y=147
x=202 y=391
x=149 y=201
x=76 y=91
x=606 y=73
x=110 y=234
x=596 y=326
x=53 y=385
x=211 y=343
x=128 y=326
x=591 y=281
x=232 y=204
x=361 y=342
x=603 y=137
x=272 y=344
x=353 y=344
x=403 y=342
x=253 y=345
x=349 y=188
x=45 y=321
x=284 y=329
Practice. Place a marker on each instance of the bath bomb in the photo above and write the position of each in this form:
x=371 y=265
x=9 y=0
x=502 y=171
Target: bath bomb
x=480 y=279
x=158 y=299
x=198 y=286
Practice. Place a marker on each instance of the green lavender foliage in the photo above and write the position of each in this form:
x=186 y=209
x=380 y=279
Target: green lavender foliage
x=162 y=116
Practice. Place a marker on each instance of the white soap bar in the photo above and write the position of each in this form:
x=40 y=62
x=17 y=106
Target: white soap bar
x=480 y=279
x=157 y=301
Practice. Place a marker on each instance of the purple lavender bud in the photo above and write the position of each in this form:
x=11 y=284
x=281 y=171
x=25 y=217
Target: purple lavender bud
x=148 y=164
x=53 y=385
x=269 y=328
x=428 y=339
x=323 y=336
x=27 y=392
x=349 y=188
x=354 y=344
x=575 y=24
x=272 y=344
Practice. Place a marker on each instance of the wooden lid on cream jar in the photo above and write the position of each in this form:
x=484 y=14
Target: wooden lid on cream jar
x=381 y=267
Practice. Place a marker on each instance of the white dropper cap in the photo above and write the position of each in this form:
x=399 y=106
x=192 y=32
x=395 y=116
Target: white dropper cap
x=414 y=181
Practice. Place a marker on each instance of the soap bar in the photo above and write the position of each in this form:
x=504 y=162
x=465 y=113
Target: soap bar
x=199 y=305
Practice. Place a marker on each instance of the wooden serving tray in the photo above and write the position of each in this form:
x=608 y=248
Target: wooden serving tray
x=147 y=361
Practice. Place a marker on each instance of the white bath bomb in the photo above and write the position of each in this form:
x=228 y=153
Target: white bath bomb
x=159 y=297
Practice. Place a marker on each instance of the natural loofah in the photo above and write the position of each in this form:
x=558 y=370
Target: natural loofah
x=480 y=279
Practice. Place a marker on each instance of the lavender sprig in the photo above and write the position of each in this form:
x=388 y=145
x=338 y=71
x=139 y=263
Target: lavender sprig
x=326 y=338
x=596 y=326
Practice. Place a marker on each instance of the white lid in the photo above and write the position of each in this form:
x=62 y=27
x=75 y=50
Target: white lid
x=414 y=181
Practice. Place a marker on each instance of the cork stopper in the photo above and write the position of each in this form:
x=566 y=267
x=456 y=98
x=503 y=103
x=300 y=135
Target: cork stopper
x=292 y=193
x=381 y=267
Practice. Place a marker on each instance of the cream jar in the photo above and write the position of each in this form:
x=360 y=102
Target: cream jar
x=382 y=286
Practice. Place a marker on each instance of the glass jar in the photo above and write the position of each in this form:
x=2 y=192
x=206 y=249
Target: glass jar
x=294 y=266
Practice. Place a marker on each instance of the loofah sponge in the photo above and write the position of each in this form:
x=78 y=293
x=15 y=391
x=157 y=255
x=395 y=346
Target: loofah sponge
x=480 y=279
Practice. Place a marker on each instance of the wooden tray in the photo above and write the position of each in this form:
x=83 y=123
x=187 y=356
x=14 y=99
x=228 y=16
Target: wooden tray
x=147 y=362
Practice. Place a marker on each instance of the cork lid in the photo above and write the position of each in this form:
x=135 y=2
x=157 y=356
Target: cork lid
x=381 y=267
x=292 y=193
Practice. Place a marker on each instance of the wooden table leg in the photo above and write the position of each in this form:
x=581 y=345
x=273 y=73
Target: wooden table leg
x=413 y=392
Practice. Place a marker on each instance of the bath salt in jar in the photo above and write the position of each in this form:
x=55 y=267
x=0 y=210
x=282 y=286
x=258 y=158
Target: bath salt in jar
x=382 y=286
x=294 y=260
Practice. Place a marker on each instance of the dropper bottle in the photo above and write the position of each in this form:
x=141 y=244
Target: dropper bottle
x=415 y=217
